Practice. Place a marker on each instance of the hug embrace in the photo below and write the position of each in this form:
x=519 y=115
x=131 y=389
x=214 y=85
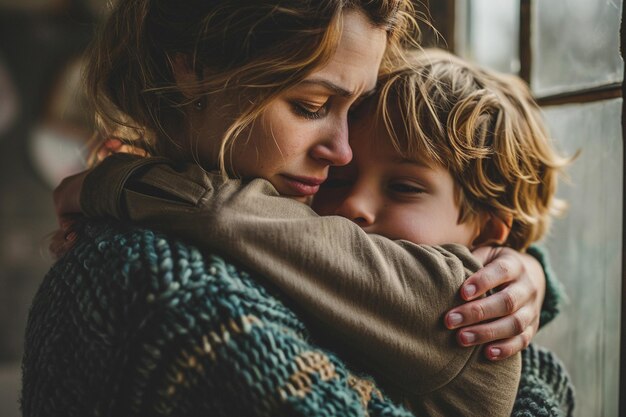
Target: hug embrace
x=303 y=214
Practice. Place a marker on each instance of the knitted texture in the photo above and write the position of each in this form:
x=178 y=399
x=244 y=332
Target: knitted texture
x=545 y=388
x=554 y=292
x=131 y=323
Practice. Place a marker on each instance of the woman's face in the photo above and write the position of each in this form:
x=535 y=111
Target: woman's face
x=305 y=129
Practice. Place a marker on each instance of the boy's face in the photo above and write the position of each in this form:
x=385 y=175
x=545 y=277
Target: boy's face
x=394 y=197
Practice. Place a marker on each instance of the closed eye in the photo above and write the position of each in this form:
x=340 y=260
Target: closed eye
x=406 y=188
x=310 y=112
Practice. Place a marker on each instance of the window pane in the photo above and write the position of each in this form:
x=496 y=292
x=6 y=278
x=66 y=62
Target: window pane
x=489 y=33
x=575 y=45
x=586 y=248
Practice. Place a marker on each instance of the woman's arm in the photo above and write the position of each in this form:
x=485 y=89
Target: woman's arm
x=383 y=300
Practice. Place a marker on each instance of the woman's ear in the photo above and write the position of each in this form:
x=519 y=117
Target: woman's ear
x=494 y=230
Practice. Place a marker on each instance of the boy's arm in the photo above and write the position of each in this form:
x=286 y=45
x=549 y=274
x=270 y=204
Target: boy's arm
x=483 y=388
x=382 y=299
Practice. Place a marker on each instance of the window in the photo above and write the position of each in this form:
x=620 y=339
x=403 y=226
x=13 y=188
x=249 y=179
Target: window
x=568 y=51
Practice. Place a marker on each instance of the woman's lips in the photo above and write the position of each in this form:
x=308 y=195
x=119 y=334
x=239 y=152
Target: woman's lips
x=303 y=185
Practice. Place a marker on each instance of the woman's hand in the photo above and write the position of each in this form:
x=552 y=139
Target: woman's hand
x=66 y=199
x=67 y=195
x=509 y=317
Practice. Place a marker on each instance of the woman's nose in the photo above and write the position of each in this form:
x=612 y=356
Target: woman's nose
x=359 y=208
x=334 y=149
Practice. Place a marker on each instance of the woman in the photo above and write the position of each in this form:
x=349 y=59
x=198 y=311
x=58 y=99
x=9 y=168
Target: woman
x=207 y=81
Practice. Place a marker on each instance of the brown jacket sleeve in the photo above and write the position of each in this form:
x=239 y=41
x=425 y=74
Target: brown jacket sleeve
x=382 y=299
x=482 y=388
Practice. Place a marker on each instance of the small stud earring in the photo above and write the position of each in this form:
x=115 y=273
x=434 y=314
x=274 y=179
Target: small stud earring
x=199 y=104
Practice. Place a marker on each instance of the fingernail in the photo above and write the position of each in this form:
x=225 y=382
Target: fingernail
x=495 y=353
x=468 y=338
x=454 y=319
x=469 y=290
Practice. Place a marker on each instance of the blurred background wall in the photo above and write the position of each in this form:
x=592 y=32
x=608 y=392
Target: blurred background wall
x=568 y=51
x=42 y=135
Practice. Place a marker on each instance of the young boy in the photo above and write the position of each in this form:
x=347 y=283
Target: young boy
x=458 y=156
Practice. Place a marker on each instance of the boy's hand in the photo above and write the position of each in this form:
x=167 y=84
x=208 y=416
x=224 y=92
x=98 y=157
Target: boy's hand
x=510 y=316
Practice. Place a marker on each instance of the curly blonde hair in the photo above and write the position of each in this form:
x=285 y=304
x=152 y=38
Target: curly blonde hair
x=485 y=129
x=250 y=49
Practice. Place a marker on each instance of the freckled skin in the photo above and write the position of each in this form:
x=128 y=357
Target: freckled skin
x=305 y=129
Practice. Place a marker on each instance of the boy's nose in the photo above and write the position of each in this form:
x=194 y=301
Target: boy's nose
x=359 y=209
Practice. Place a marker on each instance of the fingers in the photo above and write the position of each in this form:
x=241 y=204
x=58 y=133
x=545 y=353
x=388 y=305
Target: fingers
x=516 y=305
x=66 y=197
x=113 y=145
x=504 y=328
x=511 y=334
x=67 y=221
x=62 y=241
x=503 y=303
x=109 y=147
x=486 y=254
x=501 y=270
x=509 y=347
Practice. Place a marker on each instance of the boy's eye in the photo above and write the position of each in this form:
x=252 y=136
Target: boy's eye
x=405 y=188
x=309 y=111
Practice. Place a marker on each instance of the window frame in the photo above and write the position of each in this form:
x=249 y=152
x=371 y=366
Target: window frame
x=446 y=17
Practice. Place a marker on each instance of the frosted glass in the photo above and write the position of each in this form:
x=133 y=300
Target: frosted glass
x=575 y=45
x=491 y=35
x=586 y=250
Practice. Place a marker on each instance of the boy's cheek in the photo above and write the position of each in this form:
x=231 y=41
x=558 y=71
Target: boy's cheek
x=413 y=226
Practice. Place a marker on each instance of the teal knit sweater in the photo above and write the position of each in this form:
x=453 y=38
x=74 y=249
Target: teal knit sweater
x=132 y=323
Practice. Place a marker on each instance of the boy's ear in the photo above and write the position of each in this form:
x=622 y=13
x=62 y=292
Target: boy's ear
x=184 y=75
x=494 y=230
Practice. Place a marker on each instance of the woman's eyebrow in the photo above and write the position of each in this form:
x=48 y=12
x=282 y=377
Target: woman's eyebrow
x=336 y=89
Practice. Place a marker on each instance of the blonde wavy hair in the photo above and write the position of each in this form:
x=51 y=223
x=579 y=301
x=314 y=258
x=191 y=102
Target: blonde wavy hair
x=250 y=49
x=485 y=129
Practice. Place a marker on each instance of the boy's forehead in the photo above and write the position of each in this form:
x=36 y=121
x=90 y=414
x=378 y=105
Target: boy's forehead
x=378 y=143
x=372 y=134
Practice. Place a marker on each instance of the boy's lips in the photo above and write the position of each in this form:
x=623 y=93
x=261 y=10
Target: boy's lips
x=302 y=185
